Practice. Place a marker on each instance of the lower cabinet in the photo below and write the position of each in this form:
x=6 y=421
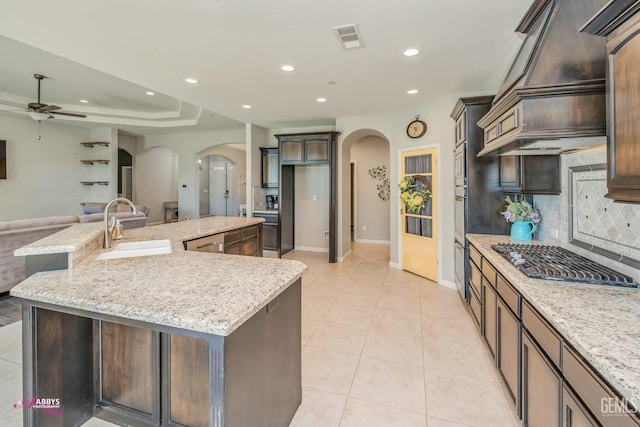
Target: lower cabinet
x=244 y=241
x=489 y=311
x=541 y=385
x=508 y=350
x=574 y=414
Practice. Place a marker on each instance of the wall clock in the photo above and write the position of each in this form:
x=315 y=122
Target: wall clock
x=417 y=128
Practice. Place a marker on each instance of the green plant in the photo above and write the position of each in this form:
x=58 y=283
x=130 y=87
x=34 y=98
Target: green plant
x=412 y=198
x=519 y=209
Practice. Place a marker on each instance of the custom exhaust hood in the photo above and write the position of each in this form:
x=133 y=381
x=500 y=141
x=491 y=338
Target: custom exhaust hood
x=553 y=97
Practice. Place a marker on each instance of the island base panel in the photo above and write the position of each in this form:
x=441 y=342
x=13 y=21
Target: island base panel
x=58 y=364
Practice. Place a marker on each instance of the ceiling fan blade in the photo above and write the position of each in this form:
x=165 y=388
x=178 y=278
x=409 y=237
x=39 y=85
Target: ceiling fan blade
x=48 y=108
x=62 y=113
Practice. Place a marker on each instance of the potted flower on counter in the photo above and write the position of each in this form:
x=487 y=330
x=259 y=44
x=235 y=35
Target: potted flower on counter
x=523 y=217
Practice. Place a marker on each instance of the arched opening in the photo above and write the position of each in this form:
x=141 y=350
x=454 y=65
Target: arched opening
x=364 y=178
x=125 y=174
x=222 y=180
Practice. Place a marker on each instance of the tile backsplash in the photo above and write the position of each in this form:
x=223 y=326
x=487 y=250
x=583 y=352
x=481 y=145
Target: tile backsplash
x=582 y=213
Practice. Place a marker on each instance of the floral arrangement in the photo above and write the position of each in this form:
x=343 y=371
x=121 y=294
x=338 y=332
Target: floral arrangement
x=518 y=209
x=413 y=198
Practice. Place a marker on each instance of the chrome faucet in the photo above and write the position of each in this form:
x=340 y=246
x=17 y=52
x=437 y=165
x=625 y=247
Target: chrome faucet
x=107 y=234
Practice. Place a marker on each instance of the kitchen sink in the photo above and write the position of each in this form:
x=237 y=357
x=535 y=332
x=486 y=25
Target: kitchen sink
x=137 y=249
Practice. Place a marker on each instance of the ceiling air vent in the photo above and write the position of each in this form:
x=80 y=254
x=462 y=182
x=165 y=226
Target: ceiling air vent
x=349 y=36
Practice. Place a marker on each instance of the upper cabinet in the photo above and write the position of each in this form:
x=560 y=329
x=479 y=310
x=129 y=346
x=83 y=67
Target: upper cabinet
x=312 y=148
x=619 y=22
x=530 y=174
x=269 y=167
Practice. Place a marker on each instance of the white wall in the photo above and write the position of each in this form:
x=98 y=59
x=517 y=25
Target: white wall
x=311 y=207
x=43 y=176
x=156 y=180
x=187 y=145
x=371 y=212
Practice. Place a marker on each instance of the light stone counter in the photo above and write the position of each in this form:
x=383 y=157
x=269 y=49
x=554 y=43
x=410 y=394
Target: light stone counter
x=204 y=292
x=602 y=323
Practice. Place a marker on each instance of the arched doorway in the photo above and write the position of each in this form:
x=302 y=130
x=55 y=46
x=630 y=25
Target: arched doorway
x=222 y=180
x=364 y=167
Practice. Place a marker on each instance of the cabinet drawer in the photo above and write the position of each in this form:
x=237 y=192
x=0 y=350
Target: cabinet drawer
x=504 y=125
x=475 y=278
x=250 y=247
x=593 y=392
x=475 y=308
x=205 y=244
x=509 y=295
x=489 y=272
x=546 y=338
x=232 y=237
x=249 y=232
x=475 y=255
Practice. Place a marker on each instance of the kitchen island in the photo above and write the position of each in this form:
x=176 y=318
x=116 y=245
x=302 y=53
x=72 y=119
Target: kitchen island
x=187 y=338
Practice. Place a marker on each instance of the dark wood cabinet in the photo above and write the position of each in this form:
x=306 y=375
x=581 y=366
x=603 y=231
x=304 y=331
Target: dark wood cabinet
x=269 y=167
x=541 y=385
x=530 y=174
x=507 y=350
x=574 y=414
x=244 y=241
x=619 y=22
x=305 y=148
x=489 y=315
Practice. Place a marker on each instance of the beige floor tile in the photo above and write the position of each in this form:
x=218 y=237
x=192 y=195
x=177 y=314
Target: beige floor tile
x=445 y=307
x=394 y=347
x=6 y=366
x=401 y=288
x=11 y=342
x=360 y=413
x=309 y=326
x=11 y=418
x=97 y=422
x=463 y=399
x=359 y=297
x=315 y=309
x=460 y=329
x=388 y=383
x=439 y=422
x=328 y=370
x=340 y=337
x=347 y=313
x=399 y=303
x=319 y=291
x=407 y=323
x=457 y=358
x=11 y=384
x=319 y=409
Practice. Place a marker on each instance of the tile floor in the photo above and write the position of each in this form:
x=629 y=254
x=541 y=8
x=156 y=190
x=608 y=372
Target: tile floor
x=381 y=347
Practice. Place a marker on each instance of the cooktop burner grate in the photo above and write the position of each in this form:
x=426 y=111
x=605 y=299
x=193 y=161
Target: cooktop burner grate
x=556 y=263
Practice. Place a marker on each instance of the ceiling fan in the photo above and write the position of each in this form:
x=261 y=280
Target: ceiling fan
x=39 y=111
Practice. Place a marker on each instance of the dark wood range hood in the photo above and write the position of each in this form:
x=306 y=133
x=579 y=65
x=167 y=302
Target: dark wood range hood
x=553 y=98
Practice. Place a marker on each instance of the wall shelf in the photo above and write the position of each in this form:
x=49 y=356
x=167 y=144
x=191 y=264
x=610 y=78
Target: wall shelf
x=94 y=182
x=92 y=161
x=93 y=144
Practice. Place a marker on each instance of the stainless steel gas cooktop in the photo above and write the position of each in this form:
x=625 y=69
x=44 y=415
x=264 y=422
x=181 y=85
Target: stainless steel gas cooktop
x=559 y=264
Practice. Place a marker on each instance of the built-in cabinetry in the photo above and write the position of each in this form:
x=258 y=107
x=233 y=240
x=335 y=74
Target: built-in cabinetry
x=243 y=241
x=530 y=174
x=305 y=148
x=94 y=161
x=619 y=21
x=269 y=229
x=550 y=384
x=269 y=168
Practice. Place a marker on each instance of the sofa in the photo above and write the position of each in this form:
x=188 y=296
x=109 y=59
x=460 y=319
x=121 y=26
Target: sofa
x=21 y=232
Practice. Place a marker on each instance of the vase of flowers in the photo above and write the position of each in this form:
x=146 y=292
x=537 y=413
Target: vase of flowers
x=413 y=198
x=523 y=217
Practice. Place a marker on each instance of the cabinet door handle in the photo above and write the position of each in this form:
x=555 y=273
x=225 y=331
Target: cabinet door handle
x=204 y=246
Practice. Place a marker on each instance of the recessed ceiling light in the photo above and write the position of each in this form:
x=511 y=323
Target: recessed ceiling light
x=150 y=93
x=247 y=106
x=321 y=99
x=412 y=91
x=411 y=52
x=191 y=80
x=287 y=68
x=84 y=101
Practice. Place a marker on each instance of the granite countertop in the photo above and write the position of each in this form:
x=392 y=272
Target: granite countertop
x=601 y=323
x=266 y=211
x=204 y=292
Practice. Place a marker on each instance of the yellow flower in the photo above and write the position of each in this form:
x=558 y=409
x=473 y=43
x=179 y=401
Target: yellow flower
x=417 y=200
x=403 y=184
x=404 y=195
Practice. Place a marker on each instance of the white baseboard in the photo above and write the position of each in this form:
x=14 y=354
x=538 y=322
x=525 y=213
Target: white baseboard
x=342 y=258
x=375 y=242
x=310 y=249
x=395 y=265
x=448 y=284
